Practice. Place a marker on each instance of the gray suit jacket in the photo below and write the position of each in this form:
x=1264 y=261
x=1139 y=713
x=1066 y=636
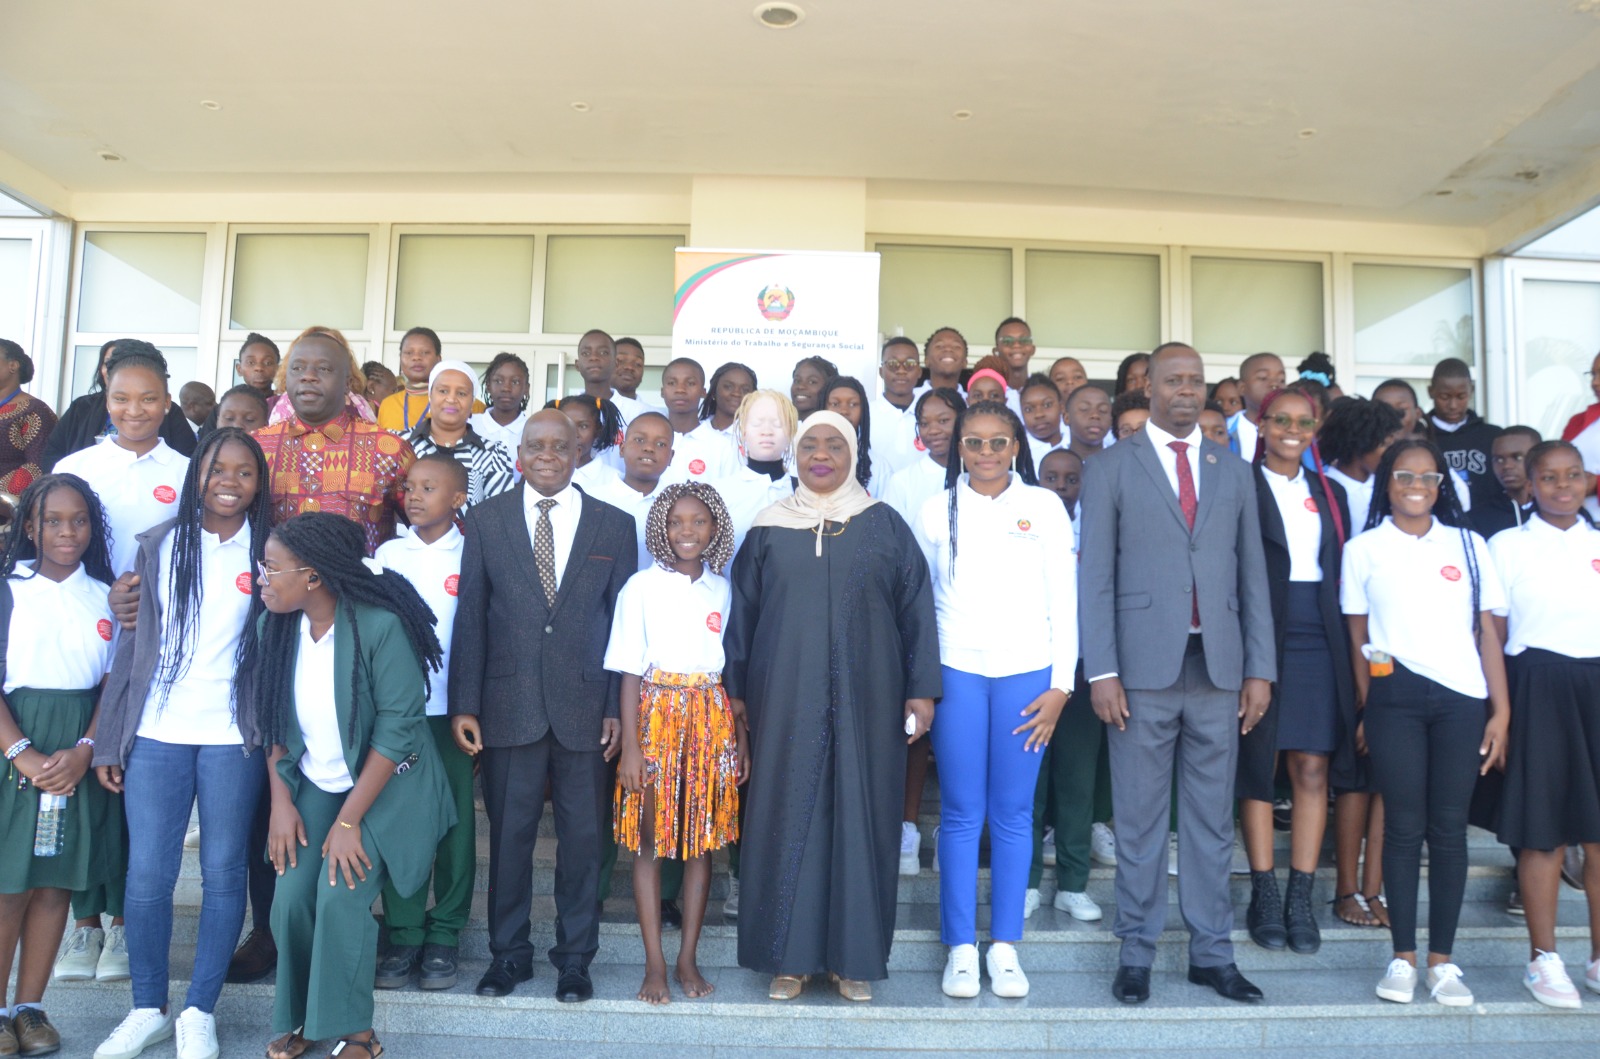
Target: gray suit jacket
x=1139 y=562
x=522 y=667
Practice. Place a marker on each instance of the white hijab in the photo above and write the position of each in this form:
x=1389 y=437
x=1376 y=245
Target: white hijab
x=811 y=510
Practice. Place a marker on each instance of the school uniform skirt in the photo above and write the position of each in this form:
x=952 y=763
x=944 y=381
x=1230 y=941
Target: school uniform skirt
x=686 y=733
x=1305 y=708
x=1551 y=795
x=56 y=720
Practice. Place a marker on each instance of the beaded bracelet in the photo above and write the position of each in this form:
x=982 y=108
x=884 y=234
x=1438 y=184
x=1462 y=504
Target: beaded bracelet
x=85 y=741
x=17 y=748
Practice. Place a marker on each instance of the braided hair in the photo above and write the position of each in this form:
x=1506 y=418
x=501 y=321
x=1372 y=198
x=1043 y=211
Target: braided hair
x=951 y=398
x=186 y=586
x=30 y=510
x=123 y=357
x=717 y=554
x=863 y=428
x=336 y=548
x=1022 y=465
x=501 y=360
x=1446 y=508
x=1355 y=426
x=608 y=418
x=708 y=406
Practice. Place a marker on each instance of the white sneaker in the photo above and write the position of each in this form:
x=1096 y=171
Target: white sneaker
x=1547 y=980
x=197 y=1035
x=192 y=839
x=1399 y=982
x=1445 y=986
x=730 y=906
x=82 y=953
x=1079 y=906
x=1240 y=864
x=142 y=1028
x=936 y=849
x=1047 y=855
x=1172 y=854
x=1030 y=903
x=113 y=963
x=910 y=849
x=961 y=972
x=1591 y=976
x=1103 y=845
x=1005 y=973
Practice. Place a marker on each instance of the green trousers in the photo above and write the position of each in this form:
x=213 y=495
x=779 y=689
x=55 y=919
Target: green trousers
x=327 y=938
x=409 y=920
x=1074 y=768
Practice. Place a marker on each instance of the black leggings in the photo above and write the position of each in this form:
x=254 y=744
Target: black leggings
x=1424 y=741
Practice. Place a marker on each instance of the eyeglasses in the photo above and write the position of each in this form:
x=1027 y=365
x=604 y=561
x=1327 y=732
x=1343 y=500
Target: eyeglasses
x=909 y=364
x=1285 y=422
x=994 y=445
x=1007 y=341
x=268 y=575
x=1428 y=480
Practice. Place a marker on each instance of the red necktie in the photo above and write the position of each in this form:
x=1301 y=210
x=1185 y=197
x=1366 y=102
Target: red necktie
x=1190 y=504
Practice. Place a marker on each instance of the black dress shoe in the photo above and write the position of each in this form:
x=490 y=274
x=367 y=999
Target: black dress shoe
x=502 y=977
x=253 y=960
x=395 y=970
x=1264 y=918
x=1131 y=985
x=574 y=986
x=438 y=967
x=1226 y=980
x=671 y=916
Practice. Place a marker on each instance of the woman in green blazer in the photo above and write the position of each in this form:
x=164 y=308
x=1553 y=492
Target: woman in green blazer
x=353 y=771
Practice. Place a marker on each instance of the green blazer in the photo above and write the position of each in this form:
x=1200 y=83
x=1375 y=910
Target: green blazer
x=405 y=824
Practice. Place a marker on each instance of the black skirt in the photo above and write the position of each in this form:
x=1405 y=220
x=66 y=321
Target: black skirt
x=1305 y=704
x=1551 y=795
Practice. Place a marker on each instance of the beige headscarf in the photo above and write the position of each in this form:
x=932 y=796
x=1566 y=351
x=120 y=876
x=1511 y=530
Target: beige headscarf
x=810 y=510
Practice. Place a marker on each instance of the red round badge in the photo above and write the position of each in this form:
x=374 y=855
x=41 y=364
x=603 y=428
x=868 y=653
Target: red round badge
x=165 y=493
x=1450 y=573
x=242 y=583
x=451 y=584
x=103 y=627
x=714 y=621
x=1596 y=564
x=697 y=466
x=619 y=437
x=920 y=446
x=1311 y=505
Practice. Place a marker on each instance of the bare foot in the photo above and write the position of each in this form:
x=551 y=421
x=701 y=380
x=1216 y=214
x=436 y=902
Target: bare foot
x=693 y=982
x=654 y=990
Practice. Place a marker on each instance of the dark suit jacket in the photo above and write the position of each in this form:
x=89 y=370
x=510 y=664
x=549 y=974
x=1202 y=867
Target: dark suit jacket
x=524 y=668
x=1139 y=563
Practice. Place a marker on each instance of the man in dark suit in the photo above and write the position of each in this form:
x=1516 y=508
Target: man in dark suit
x=1178 y=647
x=540 y=575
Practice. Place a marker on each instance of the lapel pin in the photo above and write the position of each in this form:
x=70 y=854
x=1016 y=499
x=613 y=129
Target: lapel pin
x=1211 y=457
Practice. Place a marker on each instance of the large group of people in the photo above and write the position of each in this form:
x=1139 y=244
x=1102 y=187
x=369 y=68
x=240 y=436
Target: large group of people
x=1122 y=626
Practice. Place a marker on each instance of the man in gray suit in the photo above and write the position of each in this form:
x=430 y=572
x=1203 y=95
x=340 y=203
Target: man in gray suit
x=540 y=574
x=1178 y=647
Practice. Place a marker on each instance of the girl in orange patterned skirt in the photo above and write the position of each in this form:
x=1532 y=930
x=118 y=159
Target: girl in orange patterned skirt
x=684 y=753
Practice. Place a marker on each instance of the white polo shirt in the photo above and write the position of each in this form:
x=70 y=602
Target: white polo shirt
x=1417 y=595
x=59 y=638
x=1040 y=449
x=434 y=570
x=510 y=435
x=314 y=706
x=592 y=475
x=894 y=437
x=1019 y=548
x=746 y=494
x=704 y=454
x=137 y=491
x=634 y=504
x=1552 y=582
x=1357 y=494
x=1302 y=525
x=197 y=710
x=911 y=487
x=665 y=620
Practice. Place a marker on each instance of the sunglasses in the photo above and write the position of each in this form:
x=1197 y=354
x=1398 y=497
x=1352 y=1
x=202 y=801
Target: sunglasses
x=1428 y=479
x=909 y=364
x=1286 y=421
x=994 y=445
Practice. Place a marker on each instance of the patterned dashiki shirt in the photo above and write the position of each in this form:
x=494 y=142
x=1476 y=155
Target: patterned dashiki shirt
x=347 y=467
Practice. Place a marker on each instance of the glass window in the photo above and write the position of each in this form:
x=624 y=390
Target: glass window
x=182 y=365
x=621 y=284
x=290 y=282
x=141 y=282
x=1242 y=307
x=1411 y=314
x=1560 y=326
x=464 y=283
x=1094 y=301
x=924 y=288
x=16 y=295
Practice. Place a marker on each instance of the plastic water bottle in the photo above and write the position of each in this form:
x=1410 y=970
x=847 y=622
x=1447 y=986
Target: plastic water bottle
x=50 y=832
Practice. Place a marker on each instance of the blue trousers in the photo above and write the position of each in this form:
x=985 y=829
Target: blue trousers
x=160 y=785
x=984 y=774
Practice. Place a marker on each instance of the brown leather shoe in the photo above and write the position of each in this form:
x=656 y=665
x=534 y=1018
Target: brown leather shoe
x=35 y=1035
x=8 y=1037
x=255 y=959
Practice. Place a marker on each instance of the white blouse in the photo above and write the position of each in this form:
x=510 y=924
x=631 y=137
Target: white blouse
x=1302 y=525
x=314 y=706
x=60 y=632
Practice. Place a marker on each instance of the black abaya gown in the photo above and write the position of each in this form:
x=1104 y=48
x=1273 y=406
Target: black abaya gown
x=825 y=651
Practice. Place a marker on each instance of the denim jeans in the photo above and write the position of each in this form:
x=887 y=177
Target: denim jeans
x=161 y=784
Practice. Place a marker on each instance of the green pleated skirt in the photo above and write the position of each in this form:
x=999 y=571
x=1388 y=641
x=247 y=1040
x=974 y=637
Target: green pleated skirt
x=55 y=720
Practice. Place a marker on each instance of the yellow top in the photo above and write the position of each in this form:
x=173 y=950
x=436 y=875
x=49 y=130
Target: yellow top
x=402 y=411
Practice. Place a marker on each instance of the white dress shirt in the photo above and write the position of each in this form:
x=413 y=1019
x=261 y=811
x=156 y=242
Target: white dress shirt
x=1552 y=582
x=1247 y=433
x=666 y=621
x=1162 y=441
x=137 y=491
x=1417 y=595
x=1302 y=524
x=911 y=487
x=317 y=712
x=563 y=521
x=434 y=570
x=704 y=454
x=197 y=710
x=1359 y=495
x=894 y=437
x=60 y=632
x=1020 y=543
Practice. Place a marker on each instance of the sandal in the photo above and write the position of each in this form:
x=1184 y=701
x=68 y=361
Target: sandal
x=787 y=986
x=1378 y=907
x=290 y=1046
x=372 y=1046
x=1342 y=910
x=852 y=988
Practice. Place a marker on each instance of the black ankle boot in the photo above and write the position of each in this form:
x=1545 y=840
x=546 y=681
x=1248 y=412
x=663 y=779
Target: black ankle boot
x=1265 y=917
x=1298 y=921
